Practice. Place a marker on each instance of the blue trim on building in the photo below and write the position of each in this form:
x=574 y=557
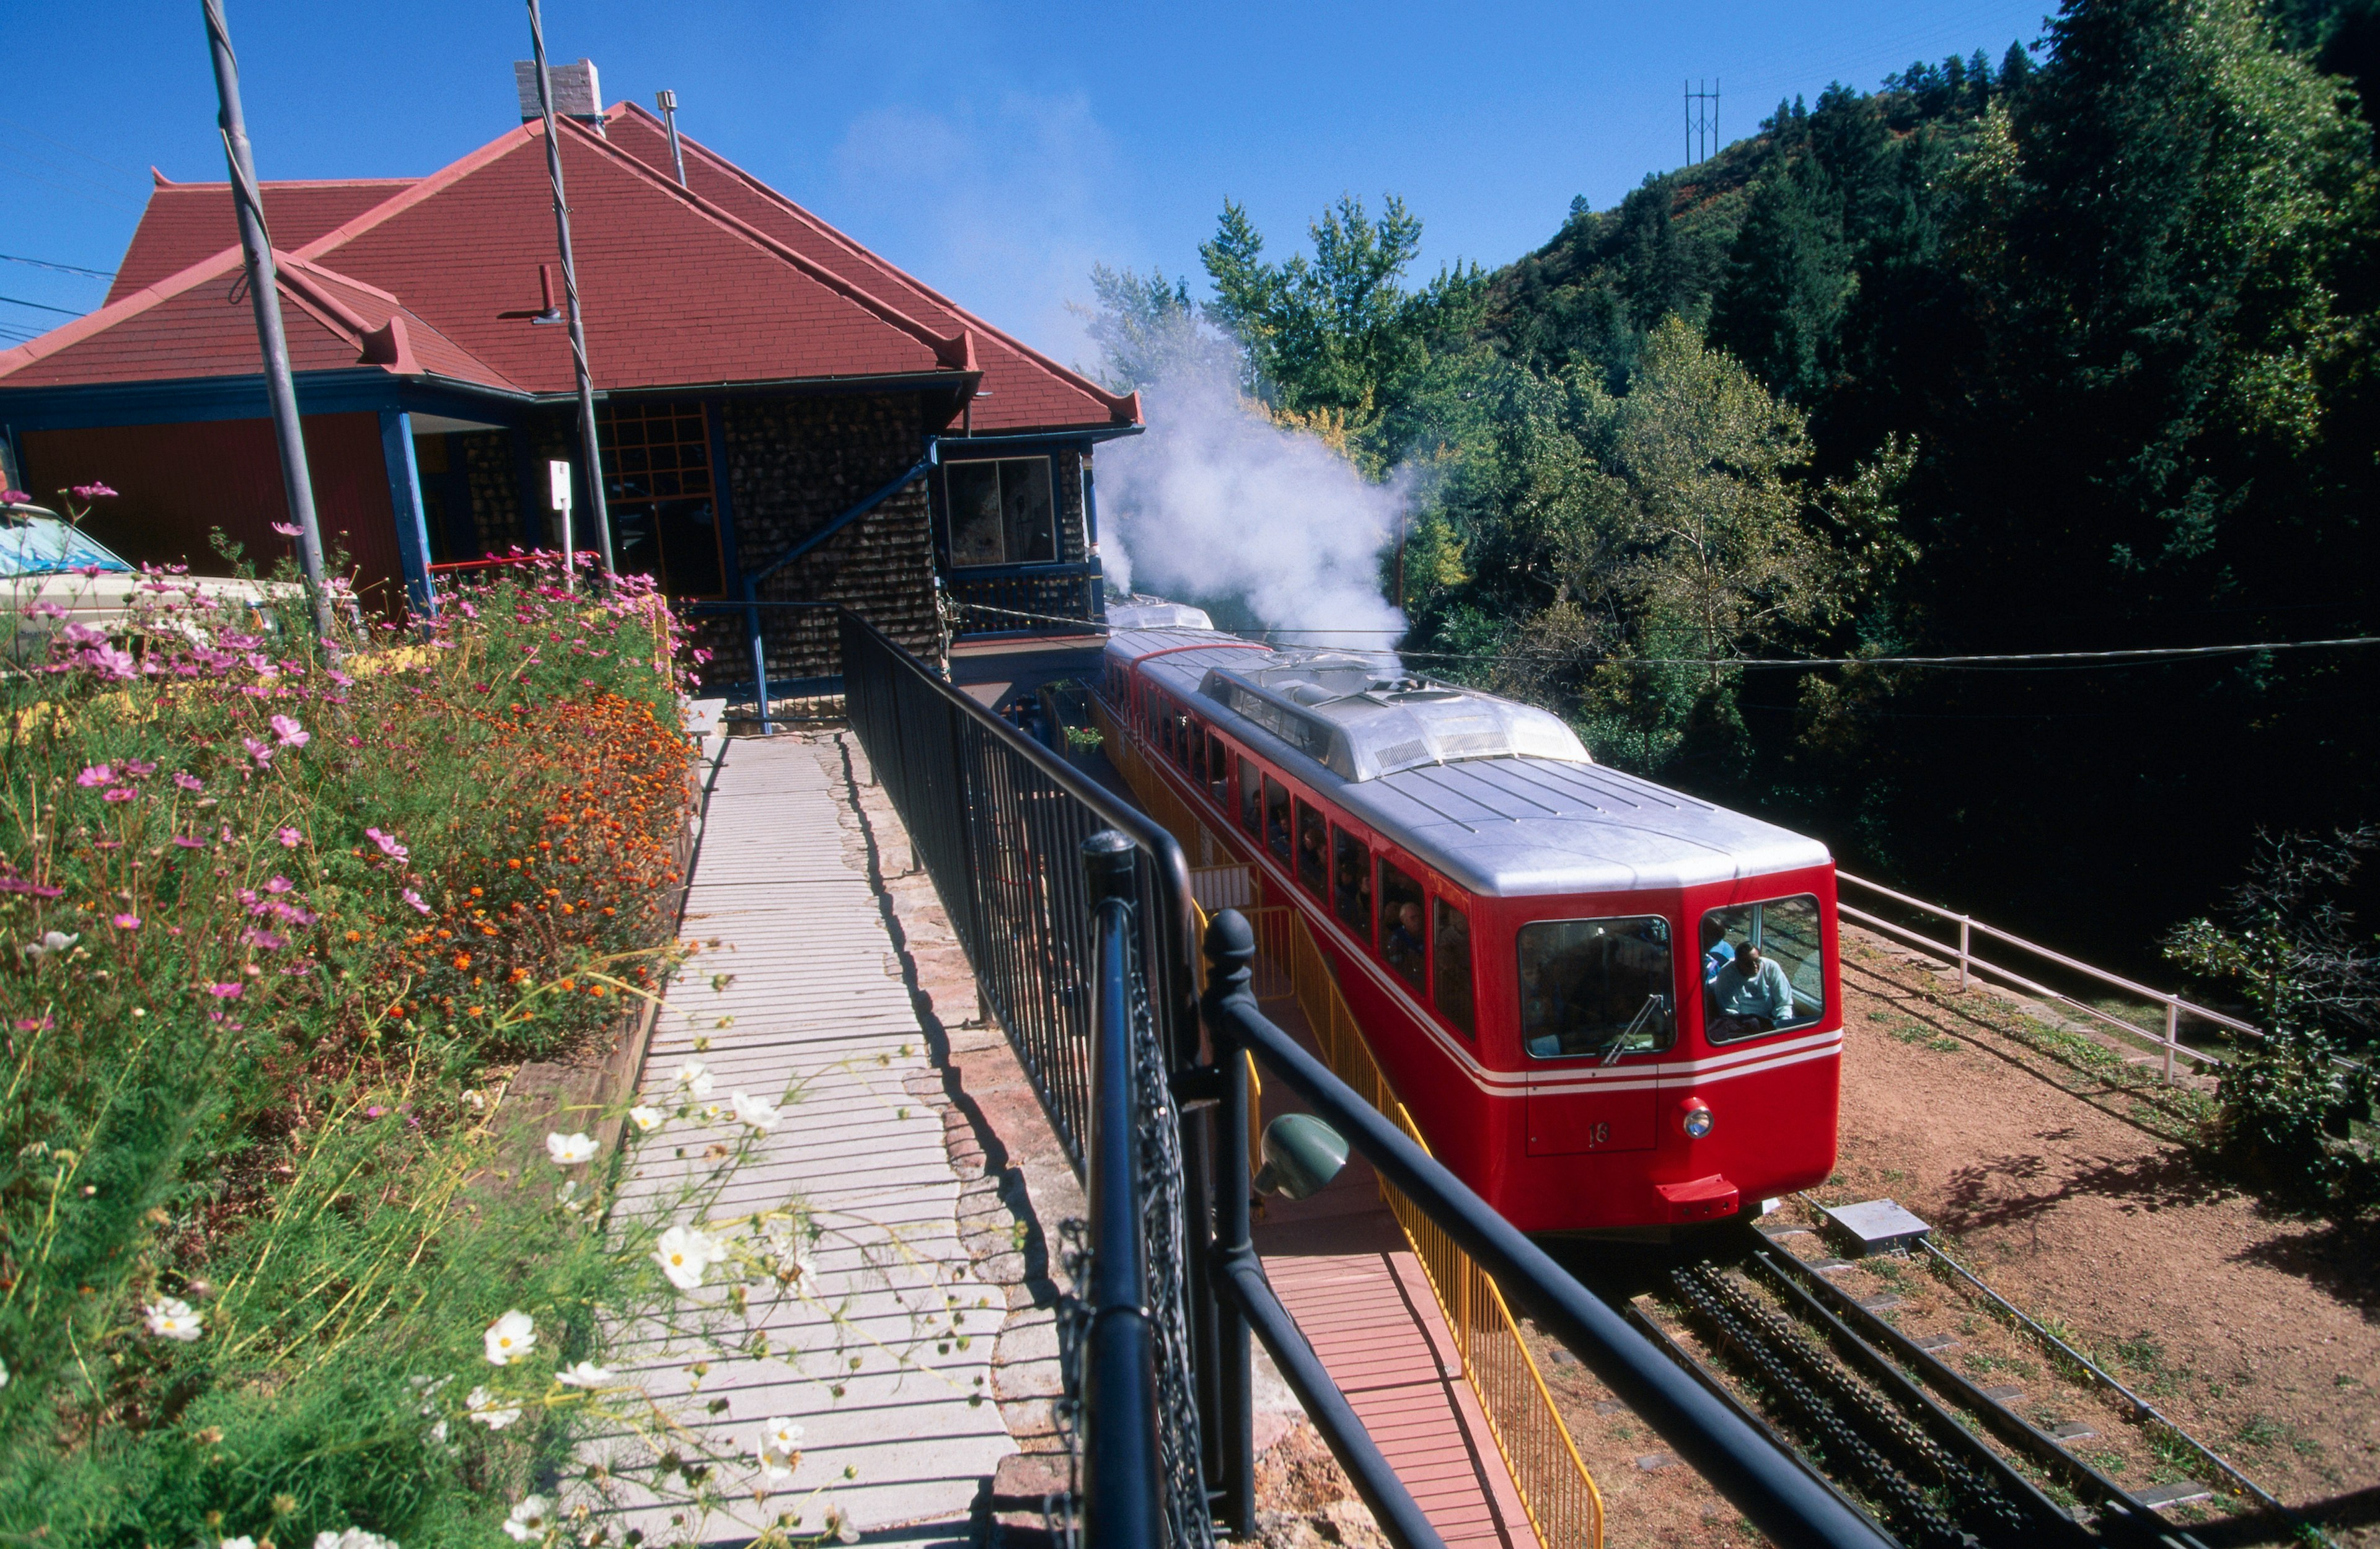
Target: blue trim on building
x=405 y=502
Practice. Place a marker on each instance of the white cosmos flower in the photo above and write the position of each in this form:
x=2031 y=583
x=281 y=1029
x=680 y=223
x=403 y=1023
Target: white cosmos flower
x=243 y=1542
x=354 y=1538
x=172 y=1319
x=683 y=1253
x=758 y=1112
x=781 y=1447
x=528 y=1521
x=712 y=1113
x=585 y=1374
x=50 y=944
x=3 y=1374
x=694 y=1078
x=510 y=1337
x=648 y=1120
x=490 y=1410
x=570 y=1150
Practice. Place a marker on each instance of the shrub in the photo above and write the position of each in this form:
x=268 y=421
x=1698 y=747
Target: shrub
x=273 y=925
x=2291 y=1105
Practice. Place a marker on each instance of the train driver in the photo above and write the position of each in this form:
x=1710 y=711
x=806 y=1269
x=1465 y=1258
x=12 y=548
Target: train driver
x=1750 y=994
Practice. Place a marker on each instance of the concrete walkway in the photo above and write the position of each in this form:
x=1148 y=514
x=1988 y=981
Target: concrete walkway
x=802 y=994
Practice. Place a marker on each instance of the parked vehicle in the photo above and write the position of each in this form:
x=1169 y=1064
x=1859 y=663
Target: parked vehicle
x=52 y=574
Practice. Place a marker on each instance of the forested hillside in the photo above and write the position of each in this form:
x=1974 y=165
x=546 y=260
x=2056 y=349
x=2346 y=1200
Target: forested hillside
x=2064 y=350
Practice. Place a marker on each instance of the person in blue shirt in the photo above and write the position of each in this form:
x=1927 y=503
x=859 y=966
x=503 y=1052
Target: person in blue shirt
x=1750 y=993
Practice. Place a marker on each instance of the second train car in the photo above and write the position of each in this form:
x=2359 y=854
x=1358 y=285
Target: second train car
x=1607 y=1004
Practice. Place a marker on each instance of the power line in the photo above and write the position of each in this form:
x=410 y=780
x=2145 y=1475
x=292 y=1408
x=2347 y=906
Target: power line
x=61 y=268
x=2012 y=659
x=41 y=306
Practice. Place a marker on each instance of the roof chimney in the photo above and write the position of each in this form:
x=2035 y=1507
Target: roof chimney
x=577 y=93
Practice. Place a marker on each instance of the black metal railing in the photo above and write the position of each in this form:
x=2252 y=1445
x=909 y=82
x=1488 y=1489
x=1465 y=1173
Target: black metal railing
x=1091 y=973
x=1772 y=1489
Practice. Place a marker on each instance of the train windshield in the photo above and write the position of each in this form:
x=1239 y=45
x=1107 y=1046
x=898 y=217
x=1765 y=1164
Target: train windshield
x=1596 y=986
x=1761 y=969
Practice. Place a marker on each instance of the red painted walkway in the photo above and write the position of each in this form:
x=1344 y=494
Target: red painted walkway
x=1342 y=1268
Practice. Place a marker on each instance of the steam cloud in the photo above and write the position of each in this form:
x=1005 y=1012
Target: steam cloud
x=1215 y=502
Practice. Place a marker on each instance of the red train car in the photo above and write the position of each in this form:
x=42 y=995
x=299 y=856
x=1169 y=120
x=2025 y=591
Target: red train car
x=1607 y=1004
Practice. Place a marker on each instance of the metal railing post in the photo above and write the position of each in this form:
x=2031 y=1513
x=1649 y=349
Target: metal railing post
x=1965 y=945
x=2172 y=1036
x=1232 y=952
x=1123 y=1476
x=761 y=666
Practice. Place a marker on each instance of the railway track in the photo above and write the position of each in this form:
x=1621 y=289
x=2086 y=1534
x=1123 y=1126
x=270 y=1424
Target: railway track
x=1879 y=1417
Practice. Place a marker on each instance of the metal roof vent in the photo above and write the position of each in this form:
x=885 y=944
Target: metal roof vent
x=577 y=93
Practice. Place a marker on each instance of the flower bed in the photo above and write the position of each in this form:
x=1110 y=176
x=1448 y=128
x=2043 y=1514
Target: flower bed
x=274 y=925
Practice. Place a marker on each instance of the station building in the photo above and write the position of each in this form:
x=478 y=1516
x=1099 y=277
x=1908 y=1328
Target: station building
x=783 y=413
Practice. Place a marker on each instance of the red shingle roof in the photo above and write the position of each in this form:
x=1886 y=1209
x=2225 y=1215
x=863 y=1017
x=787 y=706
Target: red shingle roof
x=726 y=282
x=189 y=221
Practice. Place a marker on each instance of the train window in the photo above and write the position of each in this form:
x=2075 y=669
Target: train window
x=1312 y=850
x=1450 y=930
x=1218 y=771
x=1277 y=818
x=1194 y=746
x=1596 y=986
x=1351 y=882
x=1401 y=923
x=1761 y=968
x=1251 y=796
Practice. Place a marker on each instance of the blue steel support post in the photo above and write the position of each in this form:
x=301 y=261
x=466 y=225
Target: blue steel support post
x=1097 y=584
x=404 y=504
x=1122 y=1472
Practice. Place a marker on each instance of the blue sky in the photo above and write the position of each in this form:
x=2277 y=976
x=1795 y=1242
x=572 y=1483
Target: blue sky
x=997 y=150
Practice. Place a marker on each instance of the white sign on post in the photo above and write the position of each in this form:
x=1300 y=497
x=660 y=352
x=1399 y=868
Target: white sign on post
x=558 y=472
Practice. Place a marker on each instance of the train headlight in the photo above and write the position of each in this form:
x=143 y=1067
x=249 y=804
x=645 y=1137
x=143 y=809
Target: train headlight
x=1695 y=1118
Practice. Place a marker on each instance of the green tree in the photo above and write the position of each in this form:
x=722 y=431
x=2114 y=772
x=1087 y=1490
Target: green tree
x=1333 y=334
x=1790 y=277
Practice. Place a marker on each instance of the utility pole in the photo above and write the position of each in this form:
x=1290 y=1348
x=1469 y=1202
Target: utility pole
x=264 y=295
x=589 y=444
x=1701 y=121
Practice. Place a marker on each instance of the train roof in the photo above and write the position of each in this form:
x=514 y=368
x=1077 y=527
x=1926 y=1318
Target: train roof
x=1511 y=813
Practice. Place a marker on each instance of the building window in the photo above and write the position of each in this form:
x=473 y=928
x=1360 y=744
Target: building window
x=657 y=483
x=1002 y=512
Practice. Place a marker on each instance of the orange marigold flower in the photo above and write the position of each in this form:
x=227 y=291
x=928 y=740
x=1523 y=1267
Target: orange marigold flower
x=462 y=961
x=355 y=936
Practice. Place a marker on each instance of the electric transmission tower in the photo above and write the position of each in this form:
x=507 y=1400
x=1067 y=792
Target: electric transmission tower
x=1701 y=121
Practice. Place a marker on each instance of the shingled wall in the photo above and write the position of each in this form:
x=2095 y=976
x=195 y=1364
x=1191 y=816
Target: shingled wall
x=794 y=465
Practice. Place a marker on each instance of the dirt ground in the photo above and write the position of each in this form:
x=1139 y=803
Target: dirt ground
x=2047 y=1164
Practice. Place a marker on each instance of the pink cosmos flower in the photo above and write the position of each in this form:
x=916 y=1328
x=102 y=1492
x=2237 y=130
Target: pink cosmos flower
x=289 y=838
x=291 y=734
x=228 y=992
x=185 y=842
x=388 y=845
x=108 y=662
x=189 y=781
x=119 y=793
x=415 y=899
x=286 y=530
x=127 y=921
x=94 y=493
x=279 y=885
x=81 y=633
x=16 y=497
x=137 y=769
x=97 y=774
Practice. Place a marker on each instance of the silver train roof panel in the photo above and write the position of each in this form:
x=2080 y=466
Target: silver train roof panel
x=1136 y=611
x=1511 y=826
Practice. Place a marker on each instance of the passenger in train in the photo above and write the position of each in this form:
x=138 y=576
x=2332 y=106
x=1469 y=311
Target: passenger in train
x=1750 y=994
x=1400 y=943
x=1716 y=953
